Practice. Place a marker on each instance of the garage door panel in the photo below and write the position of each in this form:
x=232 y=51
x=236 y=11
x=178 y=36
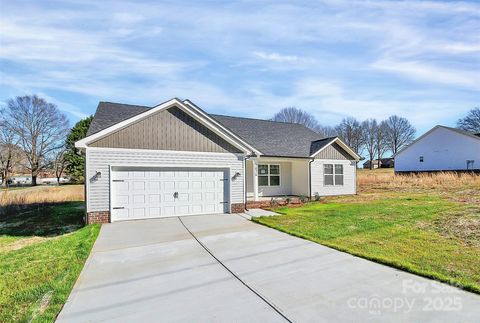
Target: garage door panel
x=139 y=212
x=183 y=185
x=121 y=214
x=154 y=185
x=196 y=197
x=155 y=211
x=196 y=185
x=169 y=186
x=154 y=198
x=122 y=186
x=147 y=193
x=137 y=185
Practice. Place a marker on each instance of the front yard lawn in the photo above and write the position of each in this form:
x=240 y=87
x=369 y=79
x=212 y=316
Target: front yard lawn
x=42 y=251
x=425 y=234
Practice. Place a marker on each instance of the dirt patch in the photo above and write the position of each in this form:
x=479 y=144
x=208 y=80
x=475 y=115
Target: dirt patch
x=464 y=225
x=22 y=243
x=42 y=304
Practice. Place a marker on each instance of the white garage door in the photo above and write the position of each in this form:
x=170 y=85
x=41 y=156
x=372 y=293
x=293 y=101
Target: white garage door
x=152 y=193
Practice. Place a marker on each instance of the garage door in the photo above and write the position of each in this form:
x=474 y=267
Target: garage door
x=153 y=193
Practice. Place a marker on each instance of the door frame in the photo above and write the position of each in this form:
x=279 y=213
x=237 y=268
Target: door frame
x=227 y=169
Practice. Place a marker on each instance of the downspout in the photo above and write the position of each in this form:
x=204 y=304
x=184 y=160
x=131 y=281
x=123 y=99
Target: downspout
x=310 y=178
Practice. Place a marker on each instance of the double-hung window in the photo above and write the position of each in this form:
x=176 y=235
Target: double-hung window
x=268 y=175
x=333 y=174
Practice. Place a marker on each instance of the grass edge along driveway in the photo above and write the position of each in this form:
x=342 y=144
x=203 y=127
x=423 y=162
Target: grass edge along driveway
x=401 y=232
x=38 y=276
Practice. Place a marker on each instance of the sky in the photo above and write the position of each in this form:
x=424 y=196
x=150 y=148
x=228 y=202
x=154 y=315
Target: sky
x=334 y=59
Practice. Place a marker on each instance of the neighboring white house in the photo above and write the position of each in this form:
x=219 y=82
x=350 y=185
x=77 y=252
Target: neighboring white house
x=176 y=159
x=440 y=149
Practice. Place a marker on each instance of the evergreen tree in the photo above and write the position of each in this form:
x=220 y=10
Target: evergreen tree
x=75 y=158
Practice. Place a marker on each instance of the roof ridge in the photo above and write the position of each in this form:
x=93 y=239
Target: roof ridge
x=132 y=105
x=326 y=138
x=258 y=119
x=460 y=131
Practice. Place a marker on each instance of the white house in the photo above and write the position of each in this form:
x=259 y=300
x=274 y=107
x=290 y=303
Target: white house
x=176 y=159
x=441 y=149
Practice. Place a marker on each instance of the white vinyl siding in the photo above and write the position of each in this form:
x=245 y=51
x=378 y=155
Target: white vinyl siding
x=285 y=187
x=100 y=160
x=440 y=150
x=322 y=188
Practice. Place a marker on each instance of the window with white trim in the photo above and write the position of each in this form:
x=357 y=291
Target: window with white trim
x=269 y=175
x=333 y=174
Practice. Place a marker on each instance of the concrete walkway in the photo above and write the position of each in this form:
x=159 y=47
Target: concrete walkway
x=154 y=270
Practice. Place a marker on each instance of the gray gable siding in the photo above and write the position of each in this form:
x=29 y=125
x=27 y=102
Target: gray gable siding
x=170 y=129
x=334 y=151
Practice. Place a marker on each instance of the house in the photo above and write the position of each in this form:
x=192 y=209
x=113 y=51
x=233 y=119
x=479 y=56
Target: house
x=384 y=163
x=176 y=159
x=441 y=149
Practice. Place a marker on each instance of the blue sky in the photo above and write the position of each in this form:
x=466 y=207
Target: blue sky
x=334 y=59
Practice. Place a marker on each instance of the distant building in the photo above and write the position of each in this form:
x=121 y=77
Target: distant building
x=384 y=163
x=27 y=180
x=441 y=149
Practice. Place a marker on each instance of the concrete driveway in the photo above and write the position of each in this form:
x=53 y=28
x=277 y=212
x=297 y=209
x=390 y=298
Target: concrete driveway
x=238 y=271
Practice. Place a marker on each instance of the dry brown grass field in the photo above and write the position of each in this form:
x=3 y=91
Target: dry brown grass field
x=459 y=187
x=39 y=195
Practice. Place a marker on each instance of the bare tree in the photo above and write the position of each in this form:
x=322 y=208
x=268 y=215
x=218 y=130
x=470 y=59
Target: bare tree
x=381 y=141
x=369 y=138
x=399 y=133
x=471 y=122
x=40 y=128
x=350 y=131
x=58 y=162
x=327 y=131
x=9 y=151
x=295 y=115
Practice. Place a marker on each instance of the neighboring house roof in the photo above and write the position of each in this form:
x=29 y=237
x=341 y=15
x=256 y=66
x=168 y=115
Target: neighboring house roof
x=270 y=138
x=460 y=131
x=383 y=161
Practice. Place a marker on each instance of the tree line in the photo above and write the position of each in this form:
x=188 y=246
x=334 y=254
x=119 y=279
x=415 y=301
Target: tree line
x=372 y=137
x=35 y=135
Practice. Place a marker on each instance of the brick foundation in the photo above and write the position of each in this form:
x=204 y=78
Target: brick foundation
x=237 y=207
x=98 y=217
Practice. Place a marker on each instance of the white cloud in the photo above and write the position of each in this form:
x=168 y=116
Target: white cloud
x=275 y=57
x=337 y=58
x=433 y=74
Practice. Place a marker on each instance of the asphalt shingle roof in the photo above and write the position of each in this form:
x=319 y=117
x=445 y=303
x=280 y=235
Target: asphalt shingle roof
x=271 y=138
x=109 y=113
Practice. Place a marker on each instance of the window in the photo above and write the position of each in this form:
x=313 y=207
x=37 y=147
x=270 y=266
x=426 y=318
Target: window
x=421 y=159
x=333 y=174
x=268 y=175
x=470 y=164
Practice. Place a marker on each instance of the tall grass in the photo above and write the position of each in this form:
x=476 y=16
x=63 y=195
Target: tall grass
x=13 y=200
x=388 y=179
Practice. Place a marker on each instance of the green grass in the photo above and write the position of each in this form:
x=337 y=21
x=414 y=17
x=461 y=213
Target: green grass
x=42 y=252
x=411 y=232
